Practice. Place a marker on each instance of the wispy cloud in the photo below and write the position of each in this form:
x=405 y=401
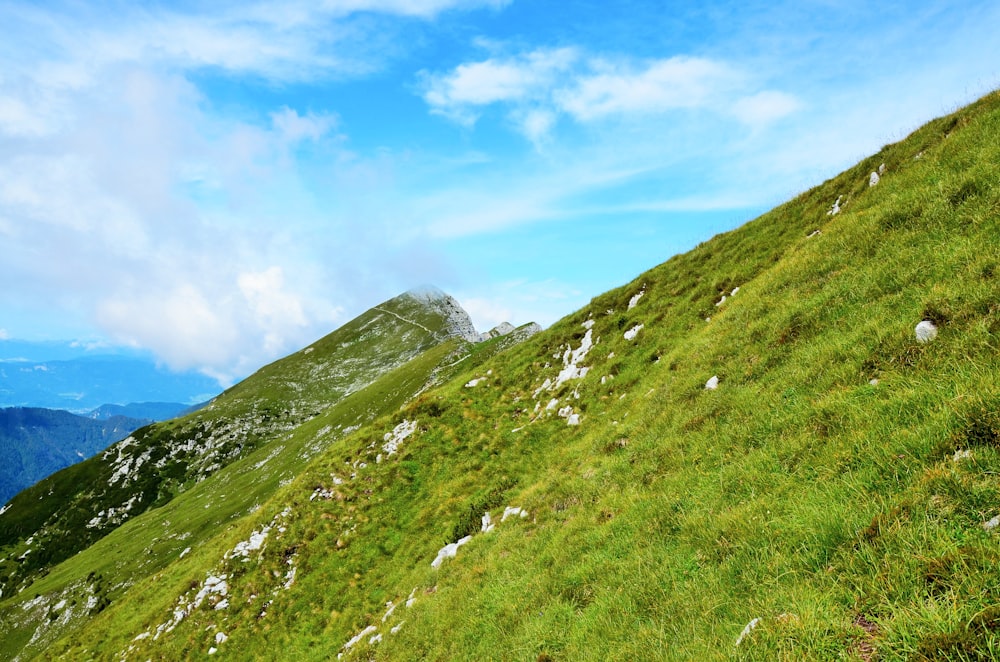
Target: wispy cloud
x=539 y=86
x=612 y=88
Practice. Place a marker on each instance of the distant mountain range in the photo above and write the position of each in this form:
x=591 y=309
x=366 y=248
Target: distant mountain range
x=66 y=376
x=35 y=442
x=156 y=411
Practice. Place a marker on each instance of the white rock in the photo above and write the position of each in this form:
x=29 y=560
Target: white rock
x=395 y=438
x=747 y=630
x=473 y=382
x=712 y=383
x=873 y=179
x=635 y=299
x=835 y=209
x=395 y=628
x=487 y=523
x=573 y=419
x=925 y=331
x=961 y=455
x=513 y=511
x=449 y=551
x=589 y=324
x=213 y=650
x=359 y=636
x=220 y=637
x=633 y=332
x=992 y=524
x=735 y=290
x=881 y=169
x=721 y=301
x=873 y=381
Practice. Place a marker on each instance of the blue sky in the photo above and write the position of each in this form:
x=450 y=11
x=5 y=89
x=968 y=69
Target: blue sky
x=222 y=186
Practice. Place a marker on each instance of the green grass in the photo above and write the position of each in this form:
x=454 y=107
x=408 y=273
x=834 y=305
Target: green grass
x=70 y=561
x=798 y=492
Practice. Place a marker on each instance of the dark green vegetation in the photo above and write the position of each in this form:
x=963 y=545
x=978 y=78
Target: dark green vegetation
x=36 y=442
x=836 y=489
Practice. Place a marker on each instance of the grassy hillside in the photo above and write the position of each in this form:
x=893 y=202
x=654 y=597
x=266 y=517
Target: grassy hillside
x=834 y=496
x=221 y=462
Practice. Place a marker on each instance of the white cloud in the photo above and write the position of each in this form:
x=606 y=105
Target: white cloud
x=529 y=76
x=535 y=124
x=677 y=82
x=274 y=309
x=765 y=107
x=295 y=127
x=170 y=227
x=489 y=81
x=182 y=326
x=539 y=86
x=18 y=119
x=4 y=335
x=421 y=8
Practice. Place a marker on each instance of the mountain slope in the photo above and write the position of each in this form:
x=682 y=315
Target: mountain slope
x=73 y=509
x=36 y=442
x=748 y=452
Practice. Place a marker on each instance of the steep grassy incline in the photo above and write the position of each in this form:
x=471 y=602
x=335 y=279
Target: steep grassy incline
x=783 y=473
x=73 y=509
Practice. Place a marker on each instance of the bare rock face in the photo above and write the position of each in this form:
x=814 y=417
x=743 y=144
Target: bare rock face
x=501 y=329
x=457 y=321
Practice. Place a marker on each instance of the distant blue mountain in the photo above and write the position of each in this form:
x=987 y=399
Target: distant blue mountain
x=35 y=443
x=156 y=411
x=69 y=376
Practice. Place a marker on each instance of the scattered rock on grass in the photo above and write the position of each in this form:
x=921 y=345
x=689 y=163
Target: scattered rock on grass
x=449 y=551
x=635 y=299
x=926 y=331
x=747 y=630
x=835 y=209
x=712 y=383
x=633 y=332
